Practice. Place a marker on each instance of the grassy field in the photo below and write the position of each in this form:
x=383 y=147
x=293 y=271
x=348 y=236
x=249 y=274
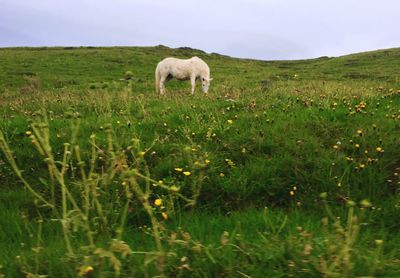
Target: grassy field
x=284 y=169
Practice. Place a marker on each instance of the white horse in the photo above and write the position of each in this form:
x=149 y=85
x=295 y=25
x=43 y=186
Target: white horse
x=182 y=69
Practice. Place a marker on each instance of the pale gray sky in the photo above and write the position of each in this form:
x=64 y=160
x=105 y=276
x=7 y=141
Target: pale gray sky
x=269 y=29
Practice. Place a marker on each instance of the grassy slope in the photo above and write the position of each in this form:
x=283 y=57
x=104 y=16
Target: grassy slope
x=284 y=117
x=69 y=67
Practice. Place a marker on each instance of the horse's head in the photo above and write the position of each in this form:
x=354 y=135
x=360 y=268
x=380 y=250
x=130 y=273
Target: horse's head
x=205 y=84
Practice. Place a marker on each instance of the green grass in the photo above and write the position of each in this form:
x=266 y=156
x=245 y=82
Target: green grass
x=274 y=134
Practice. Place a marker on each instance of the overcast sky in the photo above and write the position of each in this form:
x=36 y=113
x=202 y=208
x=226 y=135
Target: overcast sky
x=263 y=29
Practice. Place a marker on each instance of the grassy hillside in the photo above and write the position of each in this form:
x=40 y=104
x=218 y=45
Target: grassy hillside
x=101 y=176
x=57 y=68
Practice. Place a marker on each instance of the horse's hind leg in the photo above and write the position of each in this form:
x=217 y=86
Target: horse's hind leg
x=162 y=85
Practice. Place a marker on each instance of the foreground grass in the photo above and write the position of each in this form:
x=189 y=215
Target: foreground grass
x=269 y=134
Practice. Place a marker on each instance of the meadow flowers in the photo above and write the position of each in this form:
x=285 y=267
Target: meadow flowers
x=335 y=147
x=229 y=162
x=158 y=202
x=86 y=271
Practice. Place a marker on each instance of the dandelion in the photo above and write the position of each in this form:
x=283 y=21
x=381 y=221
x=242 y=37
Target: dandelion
x=187 y=173
x=164 y=215
x=207 y=161
x=348 y=158
x=230 y=122
x=158 y=202
x=357 y=146
x=28 y=133
x=178 y=169
x=379 y=150
x=87 y=271
x=291 y=193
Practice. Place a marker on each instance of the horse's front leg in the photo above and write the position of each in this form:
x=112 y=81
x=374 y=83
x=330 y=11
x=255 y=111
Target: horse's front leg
x=193 y=83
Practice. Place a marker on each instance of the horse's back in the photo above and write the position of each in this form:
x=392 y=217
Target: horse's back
x=182 y=68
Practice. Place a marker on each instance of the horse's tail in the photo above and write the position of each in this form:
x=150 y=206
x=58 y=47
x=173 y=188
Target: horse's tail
x=157 y=78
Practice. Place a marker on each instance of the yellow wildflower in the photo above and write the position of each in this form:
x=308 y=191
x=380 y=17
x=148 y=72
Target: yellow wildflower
x=28 y=133
x=230 y=122
x=178 y=169
x=164 y=215
x=158 y=202
x=187 y=173
x=86 y=271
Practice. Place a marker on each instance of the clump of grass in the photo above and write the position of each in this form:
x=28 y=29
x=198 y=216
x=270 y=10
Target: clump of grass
x=32 y=85
x=91 y=197
x=128 y=75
